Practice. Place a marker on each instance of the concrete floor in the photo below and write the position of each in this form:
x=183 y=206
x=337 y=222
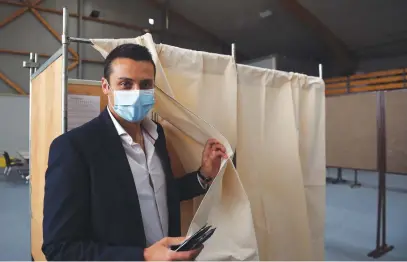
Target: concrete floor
x=14 y=219
x=350 y=218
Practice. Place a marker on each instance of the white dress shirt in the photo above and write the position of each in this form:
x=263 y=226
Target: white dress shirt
x=145 y=166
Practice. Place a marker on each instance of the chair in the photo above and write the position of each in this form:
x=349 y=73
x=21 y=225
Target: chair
x=11 y=163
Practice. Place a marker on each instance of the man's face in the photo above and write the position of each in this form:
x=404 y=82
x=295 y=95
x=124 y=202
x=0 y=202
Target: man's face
x=128 y=74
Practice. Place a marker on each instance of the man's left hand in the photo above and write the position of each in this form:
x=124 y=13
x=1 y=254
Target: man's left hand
x=212 y=156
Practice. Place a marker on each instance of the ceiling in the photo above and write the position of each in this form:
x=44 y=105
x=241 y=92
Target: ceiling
x=360 y=28
x=370 y=28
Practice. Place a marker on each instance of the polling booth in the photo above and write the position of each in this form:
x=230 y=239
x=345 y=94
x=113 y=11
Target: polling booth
x=271 y=205
x=84 y=102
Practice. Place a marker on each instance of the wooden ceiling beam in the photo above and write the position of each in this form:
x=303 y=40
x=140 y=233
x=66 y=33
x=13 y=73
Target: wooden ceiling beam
x=13 y=16
x=343 y=57
x=8 y=2
x=13 y=85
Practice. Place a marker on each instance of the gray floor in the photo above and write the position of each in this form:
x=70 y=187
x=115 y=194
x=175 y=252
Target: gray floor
x=350 y=218
x=14 y=218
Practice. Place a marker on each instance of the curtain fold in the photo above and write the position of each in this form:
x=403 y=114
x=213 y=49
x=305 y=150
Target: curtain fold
x=205 y=83
x=281 y=160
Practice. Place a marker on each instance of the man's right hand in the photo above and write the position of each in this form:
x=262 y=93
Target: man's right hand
x=161 y=251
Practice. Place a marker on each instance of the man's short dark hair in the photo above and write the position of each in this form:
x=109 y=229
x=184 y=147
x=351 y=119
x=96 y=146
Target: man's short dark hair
x=131 y=51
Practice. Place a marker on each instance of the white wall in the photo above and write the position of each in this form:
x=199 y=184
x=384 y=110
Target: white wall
x=14 y=125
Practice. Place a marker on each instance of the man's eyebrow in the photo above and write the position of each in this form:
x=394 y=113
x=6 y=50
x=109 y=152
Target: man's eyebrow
x=126 y=78
x=130 y=79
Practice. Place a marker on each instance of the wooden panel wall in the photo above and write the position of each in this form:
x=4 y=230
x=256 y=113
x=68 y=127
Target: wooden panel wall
x=46 y=122
x=46 y=126
x=396 y=131
x=351 y=140
x=374 y=81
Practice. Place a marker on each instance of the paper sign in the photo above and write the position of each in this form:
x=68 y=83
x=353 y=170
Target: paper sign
x=82 y=109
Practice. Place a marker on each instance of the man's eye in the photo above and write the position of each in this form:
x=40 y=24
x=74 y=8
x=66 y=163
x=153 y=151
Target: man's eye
x=145 y=85
x=126 y=85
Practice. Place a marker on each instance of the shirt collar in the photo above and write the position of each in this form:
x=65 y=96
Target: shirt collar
x=148 y=125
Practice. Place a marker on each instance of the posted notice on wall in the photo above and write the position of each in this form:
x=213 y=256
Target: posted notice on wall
x=82 y=109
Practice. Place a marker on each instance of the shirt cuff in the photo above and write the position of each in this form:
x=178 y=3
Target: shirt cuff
x=203 y=185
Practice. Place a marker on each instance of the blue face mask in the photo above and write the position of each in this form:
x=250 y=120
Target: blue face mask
x=133 y=105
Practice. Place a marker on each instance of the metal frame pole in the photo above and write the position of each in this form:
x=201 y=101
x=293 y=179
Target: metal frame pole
x=79 y=40
x=36 y=62
x=381 y=246
x=233 y=53
x=320 y=70
x=79 y=34
x=355 y=181
x=32 y=59
x=65 y=43
x=32 y=65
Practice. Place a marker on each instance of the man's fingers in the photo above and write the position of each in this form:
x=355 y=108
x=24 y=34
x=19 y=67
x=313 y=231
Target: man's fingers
x=211 y=141
x=209 y=146
x=172 y=241
x=180 y=256
x=213 y=145
x=219 y=147
x=196 y=252
x=216 y=154
x=185 y=255
x=216 y=145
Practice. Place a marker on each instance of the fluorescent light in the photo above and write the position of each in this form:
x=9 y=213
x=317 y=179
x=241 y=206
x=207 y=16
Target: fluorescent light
x=265 y=13
x=151 y=21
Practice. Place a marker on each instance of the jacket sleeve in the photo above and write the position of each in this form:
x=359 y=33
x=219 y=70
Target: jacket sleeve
x=189 y=186
x=66 y=222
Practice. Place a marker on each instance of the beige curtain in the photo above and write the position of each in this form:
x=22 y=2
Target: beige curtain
x=205 y=83
x=193 y=97
x=276 y=120
x=281 y=160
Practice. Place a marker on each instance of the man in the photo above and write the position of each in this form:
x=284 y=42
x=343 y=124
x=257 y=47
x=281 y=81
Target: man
x=109 y=190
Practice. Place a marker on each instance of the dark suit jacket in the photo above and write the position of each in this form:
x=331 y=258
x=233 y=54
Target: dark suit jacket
x=91 y=207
